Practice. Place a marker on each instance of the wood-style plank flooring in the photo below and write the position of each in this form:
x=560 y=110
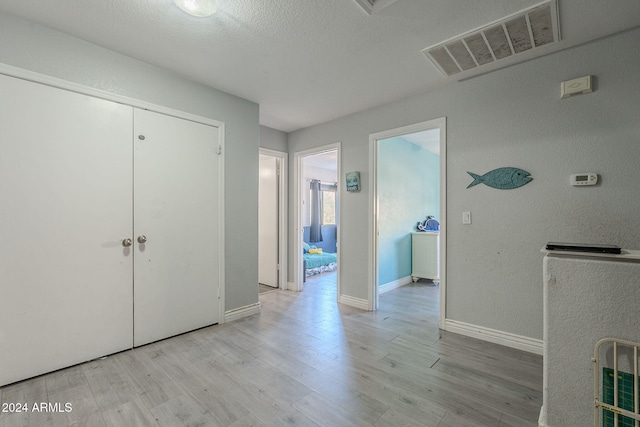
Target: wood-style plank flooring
x=265 y=288
x=303 y=361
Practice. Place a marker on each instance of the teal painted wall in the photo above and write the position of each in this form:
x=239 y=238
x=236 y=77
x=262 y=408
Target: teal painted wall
x=409 y=190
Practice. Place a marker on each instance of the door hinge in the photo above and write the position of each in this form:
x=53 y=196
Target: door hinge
x=219 y=149
x=277 y=267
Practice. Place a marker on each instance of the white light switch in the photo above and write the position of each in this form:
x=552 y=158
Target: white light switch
x=466 y=217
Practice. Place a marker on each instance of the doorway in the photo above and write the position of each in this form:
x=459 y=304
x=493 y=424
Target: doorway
x=317 y=224
x=391 y=248
x=272 y=220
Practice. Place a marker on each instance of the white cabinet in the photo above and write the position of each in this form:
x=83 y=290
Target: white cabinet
x=67 y=282
x=425 y=256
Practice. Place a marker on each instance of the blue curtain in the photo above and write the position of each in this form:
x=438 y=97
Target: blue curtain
x=315 y=229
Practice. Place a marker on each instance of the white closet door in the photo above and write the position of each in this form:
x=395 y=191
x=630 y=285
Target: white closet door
x=268 y=222
x=176 y=272
x=65 y=205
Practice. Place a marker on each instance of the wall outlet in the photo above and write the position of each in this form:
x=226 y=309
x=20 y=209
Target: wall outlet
x=466 y=217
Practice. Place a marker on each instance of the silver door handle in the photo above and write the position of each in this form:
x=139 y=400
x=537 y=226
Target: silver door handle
x=126 y=243
x=142 y=238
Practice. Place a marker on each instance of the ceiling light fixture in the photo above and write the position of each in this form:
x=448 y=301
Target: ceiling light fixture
x=199 y=8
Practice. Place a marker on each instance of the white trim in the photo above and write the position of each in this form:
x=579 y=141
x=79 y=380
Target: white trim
x=507 y=339
x=298 y=228
x=34 y=77
x=394 y=285
x=283 y=217
x=443 y=221
x=44 y=79
x=241 y=312
x=360 y=303
x=374 y=291
x=541 y=419
x=292 y=286
x=221 y=225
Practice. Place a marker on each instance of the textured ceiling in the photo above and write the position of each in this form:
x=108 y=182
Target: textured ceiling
x=308 y=61
x=328 y=160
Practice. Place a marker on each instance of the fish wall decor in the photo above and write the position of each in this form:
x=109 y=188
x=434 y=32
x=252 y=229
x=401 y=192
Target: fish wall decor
x=502 y=178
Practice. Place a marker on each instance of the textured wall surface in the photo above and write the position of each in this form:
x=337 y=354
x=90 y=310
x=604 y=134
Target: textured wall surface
x=39 y=49
x=585 y=300
x=512 y=117
x=408 y=190
x=273 y=139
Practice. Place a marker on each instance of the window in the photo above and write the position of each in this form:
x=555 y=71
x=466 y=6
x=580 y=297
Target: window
x=327 y=203
x=328 y=207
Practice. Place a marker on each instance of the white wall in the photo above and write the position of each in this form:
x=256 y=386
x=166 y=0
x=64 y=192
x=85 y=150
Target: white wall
x=588 y=298
x=273 y=139
x=36 y=48
x=511 y=117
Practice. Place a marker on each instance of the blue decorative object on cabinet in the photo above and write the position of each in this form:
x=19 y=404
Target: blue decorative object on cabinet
x=502 y=178
x=429 y=224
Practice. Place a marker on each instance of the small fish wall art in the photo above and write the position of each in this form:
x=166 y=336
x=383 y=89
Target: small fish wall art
x=502 y=178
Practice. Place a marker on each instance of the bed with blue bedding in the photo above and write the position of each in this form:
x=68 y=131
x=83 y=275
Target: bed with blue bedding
x=316 y=263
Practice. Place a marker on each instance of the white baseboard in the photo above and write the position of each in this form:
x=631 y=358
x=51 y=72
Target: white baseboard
x=497 y=337
x=239 y=313
x=354 y=302
x=541 y=420
x=292 y=287
x=393 y=285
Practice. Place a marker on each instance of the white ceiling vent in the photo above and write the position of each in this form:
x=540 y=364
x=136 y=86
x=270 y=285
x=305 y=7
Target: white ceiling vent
x=373 y=6
x=367 y=5
x=520 y=32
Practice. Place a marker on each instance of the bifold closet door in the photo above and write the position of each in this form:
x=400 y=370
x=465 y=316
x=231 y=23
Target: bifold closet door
x=176 y=226
x=65 y=206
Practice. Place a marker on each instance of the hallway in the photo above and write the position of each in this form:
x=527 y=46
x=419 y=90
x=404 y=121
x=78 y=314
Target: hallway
x=304 y=361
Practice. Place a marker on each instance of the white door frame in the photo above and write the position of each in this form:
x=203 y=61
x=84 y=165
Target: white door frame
x=298 y=228
x=283 y=202
x=374 y=138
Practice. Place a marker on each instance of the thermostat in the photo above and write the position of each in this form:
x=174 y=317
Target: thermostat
x=584 y=179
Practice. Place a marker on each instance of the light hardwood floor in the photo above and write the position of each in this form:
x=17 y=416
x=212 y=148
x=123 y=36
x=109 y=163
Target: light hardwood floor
x=304 y=361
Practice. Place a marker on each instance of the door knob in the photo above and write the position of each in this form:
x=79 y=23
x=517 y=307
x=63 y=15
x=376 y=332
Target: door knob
x=142 y=238
x=126 y=242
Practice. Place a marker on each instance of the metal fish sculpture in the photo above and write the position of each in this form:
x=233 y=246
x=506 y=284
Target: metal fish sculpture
x=502 y=178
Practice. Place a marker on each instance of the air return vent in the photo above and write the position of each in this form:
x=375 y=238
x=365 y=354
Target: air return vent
x=373 y=6
x=367 y=5
x=521 y=32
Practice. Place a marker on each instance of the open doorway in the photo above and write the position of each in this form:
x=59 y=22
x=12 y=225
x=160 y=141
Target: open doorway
x=272 y=202
x=408 y=186
x=318 y=194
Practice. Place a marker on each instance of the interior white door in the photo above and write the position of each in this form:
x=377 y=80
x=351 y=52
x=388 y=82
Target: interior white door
x=176 y=271
x=268 y=222
x=65 y=205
